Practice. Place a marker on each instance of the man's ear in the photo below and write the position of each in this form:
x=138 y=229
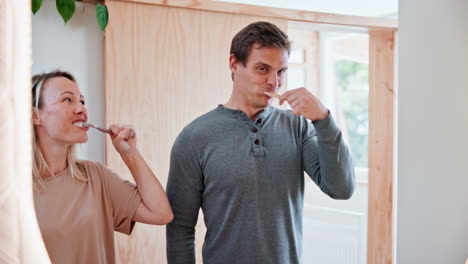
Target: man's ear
x=232 y=63
x=35 y=116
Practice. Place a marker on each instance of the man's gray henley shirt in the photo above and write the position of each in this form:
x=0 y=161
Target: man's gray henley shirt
x=248 y=178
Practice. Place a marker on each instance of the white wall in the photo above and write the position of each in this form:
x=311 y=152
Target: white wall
x=77 y=48
x=432 y=218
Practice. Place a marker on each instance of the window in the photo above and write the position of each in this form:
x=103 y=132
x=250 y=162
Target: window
x=335 y=230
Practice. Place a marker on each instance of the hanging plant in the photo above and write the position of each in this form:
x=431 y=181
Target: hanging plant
x=66 y=9
x=102 y=16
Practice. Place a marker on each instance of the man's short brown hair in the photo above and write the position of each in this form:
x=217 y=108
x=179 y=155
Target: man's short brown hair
x=262 y=34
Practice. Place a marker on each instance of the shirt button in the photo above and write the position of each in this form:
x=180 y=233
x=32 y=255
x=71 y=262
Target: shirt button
x=257 y=142
x=255 y=130
x=259 y=121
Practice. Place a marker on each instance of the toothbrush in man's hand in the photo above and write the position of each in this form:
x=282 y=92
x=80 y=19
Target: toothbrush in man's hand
x=273 y=95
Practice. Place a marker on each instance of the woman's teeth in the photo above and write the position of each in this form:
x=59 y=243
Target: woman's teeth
x=80 y=124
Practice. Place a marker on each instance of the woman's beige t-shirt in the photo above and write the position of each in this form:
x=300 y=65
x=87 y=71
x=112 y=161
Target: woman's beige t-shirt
x=77 y=219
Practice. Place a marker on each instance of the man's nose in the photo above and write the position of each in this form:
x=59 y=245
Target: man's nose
x=273 y=80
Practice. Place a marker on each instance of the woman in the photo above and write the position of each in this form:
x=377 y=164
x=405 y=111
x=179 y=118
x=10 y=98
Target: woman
x=80 y=203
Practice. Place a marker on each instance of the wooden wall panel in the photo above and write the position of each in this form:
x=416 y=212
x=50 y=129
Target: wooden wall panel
x=381 y=146
x=164 y=66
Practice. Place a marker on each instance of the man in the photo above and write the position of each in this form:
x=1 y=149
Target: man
x=243 y=163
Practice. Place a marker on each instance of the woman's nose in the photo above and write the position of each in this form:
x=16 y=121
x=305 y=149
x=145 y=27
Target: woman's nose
x=80 y=109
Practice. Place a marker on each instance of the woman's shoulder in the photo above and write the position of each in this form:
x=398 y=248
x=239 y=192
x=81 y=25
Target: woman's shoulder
x=92 y=169
x=89 y=165
x=95 y=170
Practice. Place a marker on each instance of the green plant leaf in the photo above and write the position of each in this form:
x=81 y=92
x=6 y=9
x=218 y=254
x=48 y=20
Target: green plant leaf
x=35 y=5
x=66 y=9
x=102 y=16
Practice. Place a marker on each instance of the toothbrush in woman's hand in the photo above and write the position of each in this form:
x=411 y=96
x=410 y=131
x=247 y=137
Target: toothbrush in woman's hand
x=104 y=130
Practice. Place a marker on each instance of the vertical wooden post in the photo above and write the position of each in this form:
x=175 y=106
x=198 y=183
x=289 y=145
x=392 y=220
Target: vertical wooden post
x=381 y=147
x=20 y=239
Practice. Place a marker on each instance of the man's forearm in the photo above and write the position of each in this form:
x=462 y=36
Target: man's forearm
x=336 y=173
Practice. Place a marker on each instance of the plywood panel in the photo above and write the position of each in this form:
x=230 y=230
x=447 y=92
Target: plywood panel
x=164 y=66
x=381 y=144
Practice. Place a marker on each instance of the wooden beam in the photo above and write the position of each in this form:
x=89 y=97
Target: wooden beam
x=273 y=12
x=381 y=146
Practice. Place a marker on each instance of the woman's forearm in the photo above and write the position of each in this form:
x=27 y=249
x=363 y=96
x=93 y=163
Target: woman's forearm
x=155 y=208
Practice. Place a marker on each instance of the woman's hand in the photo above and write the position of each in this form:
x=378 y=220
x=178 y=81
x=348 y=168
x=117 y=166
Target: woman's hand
x=123 y=138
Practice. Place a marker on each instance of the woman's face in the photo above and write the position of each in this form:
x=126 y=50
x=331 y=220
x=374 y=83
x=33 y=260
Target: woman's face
x=62 y=112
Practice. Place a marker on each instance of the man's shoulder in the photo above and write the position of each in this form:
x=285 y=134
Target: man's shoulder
x=204 y=121
x=201 y=125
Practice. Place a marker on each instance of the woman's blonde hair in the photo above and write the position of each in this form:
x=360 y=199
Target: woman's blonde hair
x=40 y=165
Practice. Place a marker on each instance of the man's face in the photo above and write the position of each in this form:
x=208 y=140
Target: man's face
x=264 y=72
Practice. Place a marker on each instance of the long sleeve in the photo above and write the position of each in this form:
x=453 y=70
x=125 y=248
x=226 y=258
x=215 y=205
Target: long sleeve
x=327 y=160
x=184 y=190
